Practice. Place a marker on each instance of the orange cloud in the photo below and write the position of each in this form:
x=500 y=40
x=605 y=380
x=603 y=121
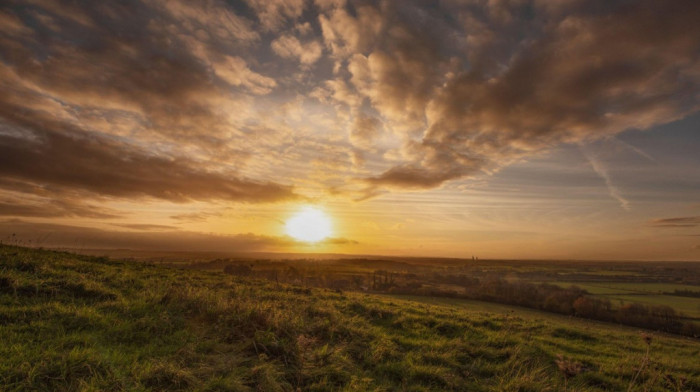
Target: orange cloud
x=680 y=222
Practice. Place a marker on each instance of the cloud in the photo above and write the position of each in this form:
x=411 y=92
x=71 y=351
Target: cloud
x=572 y=76
x=365 y=129
x=235 y=72
x=409 y=177
x=144 y=226
x=53 y=209
x=165 y=73
x=274 y=13
x=288 y=46
x=146 y=237
x=338 y=241
x=345 y=34
x=209 y=19
x=183 y=101
x=680 y=222
x=84 y=237
x=199 y=216
x=111 y=168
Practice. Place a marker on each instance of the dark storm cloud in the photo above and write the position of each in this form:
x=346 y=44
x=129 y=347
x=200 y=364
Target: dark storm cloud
x=686 y=221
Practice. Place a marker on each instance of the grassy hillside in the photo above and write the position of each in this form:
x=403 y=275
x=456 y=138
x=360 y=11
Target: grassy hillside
x=72 y=322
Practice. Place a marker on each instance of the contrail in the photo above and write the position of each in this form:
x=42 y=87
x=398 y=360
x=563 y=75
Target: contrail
x=635 y=149
x=602 y=171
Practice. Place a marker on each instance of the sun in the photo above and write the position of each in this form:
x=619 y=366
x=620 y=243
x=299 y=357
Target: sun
x=309 y=225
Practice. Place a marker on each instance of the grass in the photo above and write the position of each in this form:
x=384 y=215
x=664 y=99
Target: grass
x=80 y=323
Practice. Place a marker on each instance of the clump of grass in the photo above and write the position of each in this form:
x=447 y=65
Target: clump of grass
x=568 y=368
x=647 y=338
x=163 y=376
x=677 y=383
x=304 y=344
x=269 y=377
x=8 y=285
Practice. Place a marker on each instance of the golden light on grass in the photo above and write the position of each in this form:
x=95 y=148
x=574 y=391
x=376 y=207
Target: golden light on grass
x=309 y=225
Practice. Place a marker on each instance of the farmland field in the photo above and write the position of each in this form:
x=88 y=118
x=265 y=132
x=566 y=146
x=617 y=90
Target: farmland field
x=630 y=288
x=644 y=293
x=688 y=306
x=647 y=283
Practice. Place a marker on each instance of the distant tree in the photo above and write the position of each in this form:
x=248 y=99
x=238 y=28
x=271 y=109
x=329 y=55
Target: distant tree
x=633 y=314
x=240 y=270
x=593 y=308
x=357 y=281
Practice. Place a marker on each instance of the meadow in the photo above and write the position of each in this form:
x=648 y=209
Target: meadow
x=82 y=323
x=657 y=295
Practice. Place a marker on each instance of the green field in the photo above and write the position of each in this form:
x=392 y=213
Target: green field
x=688 y=306
x=643 y=293
x=628 y=288
x=80 y=323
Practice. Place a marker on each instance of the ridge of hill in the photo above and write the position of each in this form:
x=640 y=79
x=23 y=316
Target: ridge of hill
x=81 y=323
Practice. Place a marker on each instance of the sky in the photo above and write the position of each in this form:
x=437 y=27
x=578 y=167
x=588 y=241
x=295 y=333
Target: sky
x=558 y=129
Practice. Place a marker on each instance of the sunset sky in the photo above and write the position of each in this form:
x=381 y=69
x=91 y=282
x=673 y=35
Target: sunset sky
x=501 y=129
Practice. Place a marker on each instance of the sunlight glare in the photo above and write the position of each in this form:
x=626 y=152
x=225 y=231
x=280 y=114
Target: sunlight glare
x=309 y=225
